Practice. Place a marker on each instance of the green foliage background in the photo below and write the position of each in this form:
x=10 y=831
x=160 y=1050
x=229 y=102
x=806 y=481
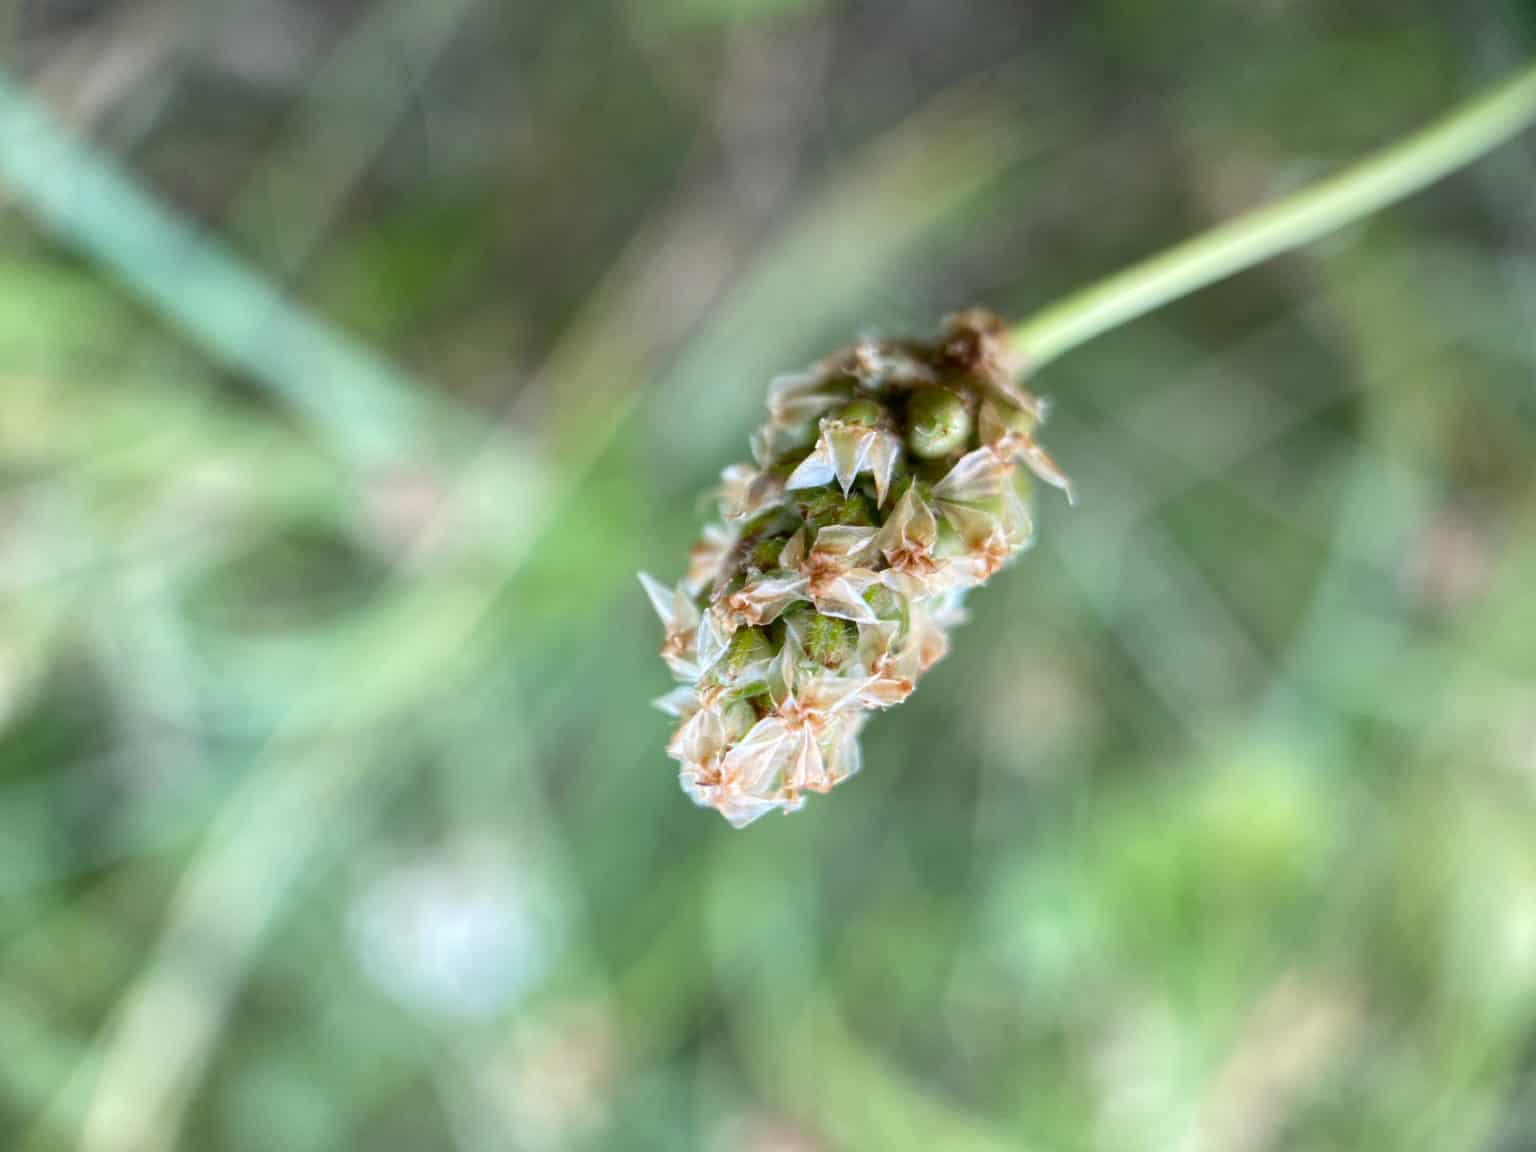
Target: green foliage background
x=356 y=354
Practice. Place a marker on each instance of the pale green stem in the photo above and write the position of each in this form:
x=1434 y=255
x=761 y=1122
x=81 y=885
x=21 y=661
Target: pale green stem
x=1392 y=174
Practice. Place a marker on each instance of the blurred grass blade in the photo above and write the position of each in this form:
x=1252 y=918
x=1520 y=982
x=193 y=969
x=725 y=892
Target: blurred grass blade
x=369 y=410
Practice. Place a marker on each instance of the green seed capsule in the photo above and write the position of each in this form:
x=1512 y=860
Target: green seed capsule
x=857 y=511
x=738 y=717
x=937 y=423
x=886 y=604
x=820 y=507
x=863 y=411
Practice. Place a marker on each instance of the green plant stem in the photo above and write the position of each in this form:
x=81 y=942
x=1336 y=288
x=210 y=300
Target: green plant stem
x=1390 y=175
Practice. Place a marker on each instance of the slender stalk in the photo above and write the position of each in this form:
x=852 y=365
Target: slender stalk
x=1390 y=175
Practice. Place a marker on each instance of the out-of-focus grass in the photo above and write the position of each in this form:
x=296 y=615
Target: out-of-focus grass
x=332 y=812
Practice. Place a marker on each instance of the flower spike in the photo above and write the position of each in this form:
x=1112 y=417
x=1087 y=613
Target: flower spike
x=885 y=484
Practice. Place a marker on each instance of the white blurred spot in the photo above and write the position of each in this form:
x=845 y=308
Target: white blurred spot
x=462 y=934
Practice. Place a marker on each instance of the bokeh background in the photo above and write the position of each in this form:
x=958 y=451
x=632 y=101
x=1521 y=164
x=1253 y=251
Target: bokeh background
x=353 y=356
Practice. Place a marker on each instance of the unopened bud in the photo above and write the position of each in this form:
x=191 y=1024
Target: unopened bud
x=937 y=423
x=862 y=411
x=738 y=717
x=822 y=507
x=748 y=646
x=827 y=640
x=766 y=553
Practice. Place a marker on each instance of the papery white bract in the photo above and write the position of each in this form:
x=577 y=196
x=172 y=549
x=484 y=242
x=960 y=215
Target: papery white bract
x=843 y=452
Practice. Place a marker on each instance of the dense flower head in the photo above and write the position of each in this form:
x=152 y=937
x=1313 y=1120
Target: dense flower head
x=884 y=485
